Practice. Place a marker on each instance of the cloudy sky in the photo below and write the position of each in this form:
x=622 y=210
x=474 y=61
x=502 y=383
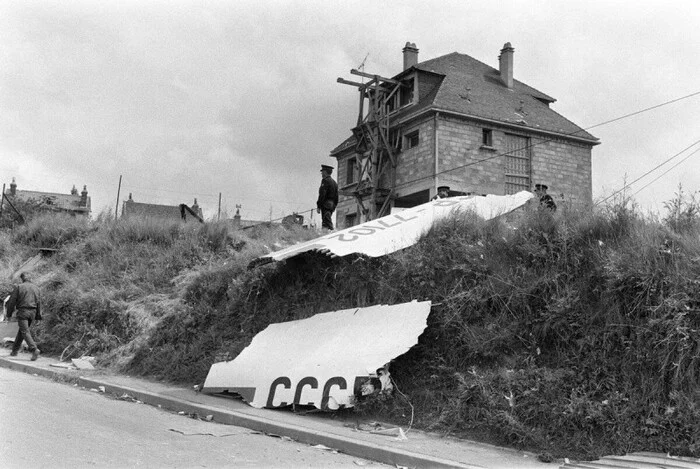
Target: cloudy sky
x=188 y=99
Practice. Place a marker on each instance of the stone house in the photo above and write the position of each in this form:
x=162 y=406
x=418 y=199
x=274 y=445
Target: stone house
x=182 y=212
x=455 y=121
x=73 y=203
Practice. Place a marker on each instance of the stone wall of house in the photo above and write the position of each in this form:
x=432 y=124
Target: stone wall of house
x=564 y=166
x=478 y=169
x=414 y=164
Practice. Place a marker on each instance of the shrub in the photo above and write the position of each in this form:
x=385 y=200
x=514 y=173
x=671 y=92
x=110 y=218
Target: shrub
x=51 y=230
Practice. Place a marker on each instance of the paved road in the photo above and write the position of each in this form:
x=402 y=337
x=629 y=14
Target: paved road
x=52 y=425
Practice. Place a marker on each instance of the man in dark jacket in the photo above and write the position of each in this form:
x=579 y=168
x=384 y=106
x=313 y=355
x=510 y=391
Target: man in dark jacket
x=327 y=197
x=26 y=300
x=546 y=200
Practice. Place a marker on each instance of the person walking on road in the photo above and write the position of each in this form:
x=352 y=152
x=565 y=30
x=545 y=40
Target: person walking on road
x=327 y=197
x=26 y=301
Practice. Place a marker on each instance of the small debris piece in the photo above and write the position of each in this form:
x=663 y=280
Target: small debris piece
x=67 y=366
x=396 y=431
x=126 y=397
x=322 y=447
x=82 y=364
x=101 y=388
x=202 y=434
x=209 y=418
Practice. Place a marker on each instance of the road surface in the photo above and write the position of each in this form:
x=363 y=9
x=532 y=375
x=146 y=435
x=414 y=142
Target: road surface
x=44 y=424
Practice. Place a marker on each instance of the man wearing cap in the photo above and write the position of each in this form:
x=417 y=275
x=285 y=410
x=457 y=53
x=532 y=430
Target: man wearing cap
x=546 y=200
x=26 y=300
x=327 y=197
x=443 y=192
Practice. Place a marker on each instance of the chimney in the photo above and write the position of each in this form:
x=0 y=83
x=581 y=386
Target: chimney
x=410 y=55
x=83 y=197
x=13 y=187
x=74 y=191
x=505 y=64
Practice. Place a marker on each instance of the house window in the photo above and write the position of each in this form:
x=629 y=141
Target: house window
x=350 y=170
x=401 y=97
x=406 y=93
x=487 y=137
x=517 y=163
x=412 y=139
x=350 y=220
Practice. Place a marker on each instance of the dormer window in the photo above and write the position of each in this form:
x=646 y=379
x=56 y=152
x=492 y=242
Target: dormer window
x=402 y=97
x=351 y=170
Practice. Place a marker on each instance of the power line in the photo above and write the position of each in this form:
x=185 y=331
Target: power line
x=669 y=169
x=644 y=110
x=547 y=140
x=654 y=169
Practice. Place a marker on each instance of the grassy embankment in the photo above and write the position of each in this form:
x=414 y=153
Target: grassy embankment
x=577 y=334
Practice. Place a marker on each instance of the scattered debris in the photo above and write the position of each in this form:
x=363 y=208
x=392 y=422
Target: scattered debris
x=82 y=364
x=102 y=389
x=204 y=434
x=325 y=448
x=67 y=366
x=127 y=397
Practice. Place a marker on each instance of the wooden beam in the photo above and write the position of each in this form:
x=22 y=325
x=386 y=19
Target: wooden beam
x=376 y=77
x=351 y=83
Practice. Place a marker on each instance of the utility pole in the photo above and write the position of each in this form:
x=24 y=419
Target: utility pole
x=116 y=209
x=218 y=217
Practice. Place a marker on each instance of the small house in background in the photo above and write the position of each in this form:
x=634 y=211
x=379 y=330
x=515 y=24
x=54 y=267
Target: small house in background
x=73 y=203
x=238 y=223
x=131 y=209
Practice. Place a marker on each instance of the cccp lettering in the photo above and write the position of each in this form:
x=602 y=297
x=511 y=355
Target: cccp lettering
x=284 y=381
x=308 y=381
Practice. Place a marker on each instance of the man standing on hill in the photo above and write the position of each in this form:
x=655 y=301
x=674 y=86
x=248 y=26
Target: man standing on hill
x=26 y=300
x=327 y=197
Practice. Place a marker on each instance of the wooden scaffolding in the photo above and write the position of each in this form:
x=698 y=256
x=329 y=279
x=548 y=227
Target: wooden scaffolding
x=376 y=145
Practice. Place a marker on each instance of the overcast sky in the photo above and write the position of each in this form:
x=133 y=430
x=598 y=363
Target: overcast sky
x=190 y=99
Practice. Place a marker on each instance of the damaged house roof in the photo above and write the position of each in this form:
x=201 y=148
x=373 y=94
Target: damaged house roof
x=460 y=84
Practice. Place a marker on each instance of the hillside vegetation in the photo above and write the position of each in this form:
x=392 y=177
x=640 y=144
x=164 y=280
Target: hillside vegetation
x=576 y=334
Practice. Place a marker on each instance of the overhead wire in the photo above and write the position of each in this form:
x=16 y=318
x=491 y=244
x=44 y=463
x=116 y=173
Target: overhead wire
x=547 y=140
x=665 y=172
x=624 y=187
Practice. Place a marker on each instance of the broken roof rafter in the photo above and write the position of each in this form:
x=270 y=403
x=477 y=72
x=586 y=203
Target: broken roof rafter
x=376 y=78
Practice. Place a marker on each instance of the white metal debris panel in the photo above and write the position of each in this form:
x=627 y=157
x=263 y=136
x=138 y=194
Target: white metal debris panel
x=400 y=230
x=322 y=360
